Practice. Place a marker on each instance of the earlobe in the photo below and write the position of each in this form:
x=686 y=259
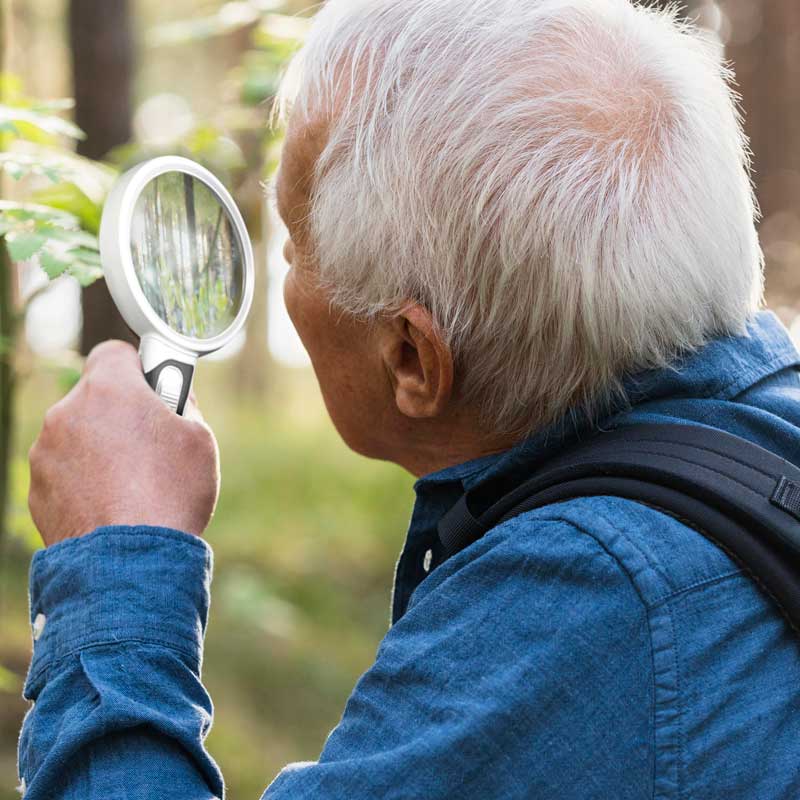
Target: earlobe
x=419 y=362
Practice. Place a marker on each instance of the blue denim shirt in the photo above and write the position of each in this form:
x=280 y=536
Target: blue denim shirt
x=591 y=649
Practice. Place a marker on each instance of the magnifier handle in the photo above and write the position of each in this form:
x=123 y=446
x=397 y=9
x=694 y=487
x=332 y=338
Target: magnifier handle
x=172 y=381
x=169 y=372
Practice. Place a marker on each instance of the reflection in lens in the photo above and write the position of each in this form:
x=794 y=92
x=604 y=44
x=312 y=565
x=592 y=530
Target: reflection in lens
x=187 y=255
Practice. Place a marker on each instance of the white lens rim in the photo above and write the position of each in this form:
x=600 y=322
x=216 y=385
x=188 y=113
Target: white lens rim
x=120 y=273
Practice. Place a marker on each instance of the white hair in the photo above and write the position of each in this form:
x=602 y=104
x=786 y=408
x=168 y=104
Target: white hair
x=564 y=184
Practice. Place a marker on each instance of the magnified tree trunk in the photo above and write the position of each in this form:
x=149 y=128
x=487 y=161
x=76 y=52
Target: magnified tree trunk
x=101 y=42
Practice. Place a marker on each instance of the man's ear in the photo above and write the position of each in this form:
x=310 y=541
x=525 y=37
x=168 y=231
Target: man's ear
x=419 y=363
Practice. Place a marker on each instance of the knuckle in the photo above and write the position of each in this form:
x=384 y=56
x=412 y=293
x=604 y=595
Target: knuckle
x=207 y=494
x=35 y=456
x=201 y=440
x=33 y=496
x=101 y=386
x=54 y=419
x=33 y=505
x=36 y=491
x=108 y=351
x=111 y=347
x=39 y=458
x=90 y=380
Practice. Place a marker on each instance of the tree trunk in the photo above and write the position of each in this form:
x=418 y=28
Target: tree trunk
x=101 y=43
x=7 y=325
x=765 y=50
x=7 y=331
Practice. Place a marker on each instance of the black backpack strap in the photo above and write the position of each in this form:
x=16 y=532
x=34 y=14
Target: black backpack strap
x=740 y=496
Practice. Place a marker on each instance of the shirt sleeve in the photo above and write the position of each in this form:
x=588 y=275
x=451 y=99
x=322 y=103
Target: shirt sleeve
x=521 y=669
x=118 y=619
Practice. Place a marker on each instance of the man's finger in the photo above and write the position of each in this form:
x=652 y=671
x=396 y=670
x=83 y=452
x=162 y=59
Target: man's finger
x=116 y=361
x=113 y=355
x=192 y=410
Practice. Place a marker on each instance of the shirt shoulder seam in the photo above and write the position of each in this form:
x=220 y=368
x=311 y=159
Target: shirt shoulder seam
x=667 y=735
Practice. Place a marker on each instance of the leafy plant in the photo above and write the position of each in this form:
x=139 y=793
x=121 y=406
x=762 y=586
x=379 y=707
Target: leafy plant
x=51 y=224
x=54 y=237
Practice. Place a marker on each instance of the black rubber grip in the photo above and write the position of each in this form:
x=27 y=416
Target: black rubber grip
x=187 y=371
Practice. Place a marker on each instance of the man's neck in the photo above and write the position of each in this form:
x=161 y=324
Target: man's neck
x=448 y=447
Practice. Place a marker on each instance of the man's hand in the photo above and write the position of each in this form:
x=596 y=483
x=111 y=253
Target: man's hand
x=111 y=453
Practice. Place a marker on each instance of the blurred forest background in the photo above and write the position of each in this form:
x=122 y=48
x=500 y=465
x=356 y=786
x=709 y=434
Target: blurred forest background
x=306 y=533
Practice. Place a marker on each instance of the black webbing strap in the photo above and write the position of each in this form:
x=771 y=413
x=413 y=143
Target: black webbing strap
x=737 y=494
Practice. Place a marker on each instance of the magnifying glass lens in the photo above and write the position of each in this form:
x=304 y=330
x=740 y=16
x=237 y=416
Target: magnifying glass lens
x=187 y=255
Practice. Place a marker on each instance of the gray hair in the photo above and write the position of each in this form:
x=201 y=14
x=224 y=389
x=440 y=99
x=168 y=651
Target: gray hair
x=564 y=184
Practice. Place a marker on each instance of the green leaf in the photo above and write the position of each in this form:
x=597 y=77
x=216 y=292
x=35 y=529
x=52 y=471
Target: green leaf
x=62 y=247
x=85 y=273
x=22 y=244
x=10 y=86
x=52 y=265
x=73 y=238
x=81 y=263
x=88 y=256
x=207 y=145
x=53 y=106
x=13 y=213
x=28 y=122
x=18 y=165
x=20 y=129
x=259 y=86
x=70 y=197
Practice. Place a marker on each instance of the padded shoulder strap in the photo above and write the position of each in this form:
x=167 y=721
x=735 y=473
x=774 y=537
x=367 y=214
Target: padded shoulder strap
x=737 y=494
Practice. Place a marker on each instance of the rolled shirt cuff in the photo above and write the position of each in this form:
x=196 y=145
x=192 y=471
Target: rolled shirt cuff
x=118 y=584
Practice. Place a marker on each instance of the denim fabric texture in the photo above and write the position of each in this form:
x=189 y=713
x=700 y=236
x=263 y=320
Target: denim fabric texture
x=593 y=649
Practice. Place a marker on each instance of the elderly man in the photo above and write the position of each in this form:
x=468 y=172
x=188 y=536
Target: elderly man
x=512 y=222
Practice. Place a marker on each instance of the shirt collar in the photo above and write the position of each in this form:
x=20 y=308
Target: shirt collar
x=722 y=369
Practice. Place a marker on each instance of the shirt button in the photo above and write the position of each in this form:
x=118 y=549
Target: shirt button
x=38 y=626
x=427 y=559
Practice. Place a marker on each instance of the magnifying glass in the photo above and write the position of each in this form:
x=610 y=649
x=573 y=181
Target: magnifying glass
x=179 y=265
